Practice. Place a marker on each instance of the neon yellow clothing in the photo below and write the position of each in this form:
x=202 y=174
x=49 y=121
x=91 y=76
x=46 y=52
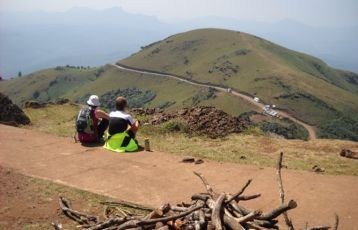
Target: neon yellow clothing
x=117 y=143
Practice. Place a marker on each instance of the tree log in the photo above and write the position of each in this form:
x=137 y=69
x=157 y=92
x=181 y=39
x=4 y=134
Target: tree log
x=281 y=190
x=216 y=216
x=336 y=222
x=231 y=222
x=249 y=217
x=208 y=187
x=127 y=204
x=139 y=223
x=79 y=217
x=278 y=211
x=111 y=222
x=249 y=197
x=233 y=197
x=57 y=226
x=202 y=197
x=319 y=228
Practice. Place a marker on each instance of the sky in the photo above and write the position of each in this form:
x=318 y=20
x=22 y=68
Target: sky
x=327 y=13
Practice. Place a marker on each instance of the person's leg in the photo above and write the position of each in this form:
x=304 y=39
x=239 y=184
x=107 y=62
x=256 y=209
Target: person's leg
x=103 y=125
x=131 y=134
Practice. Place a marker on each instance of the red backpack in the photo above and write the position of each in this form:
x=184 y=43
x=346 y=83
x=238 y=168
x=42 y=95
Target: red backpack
x=86 y=125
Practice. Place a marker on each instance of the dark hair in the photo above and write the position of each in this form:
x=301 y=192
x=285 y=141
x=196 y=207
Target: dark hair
x=121 y=103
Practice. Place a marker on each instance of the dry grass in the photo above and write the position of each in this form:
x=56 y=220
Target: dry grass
x=259 y=150
x=32 y=203
x=54 y=119
x=252 y=148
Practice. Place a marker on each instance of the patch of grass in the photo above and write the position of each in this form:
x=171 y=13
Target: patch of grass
x=47 y=189
x=253 y=145
x=41 y=196
x=254 y=131
x=54 y=119
x=257 y=149
x=173 y=126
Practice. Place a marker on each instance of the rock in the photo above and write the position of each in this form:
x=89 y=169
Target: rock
x=199 y=161
x=349 y=154
x=11 y=114
x=188 y=160
x=34 y=104
x=205 y=120
x=62 y=101
x=317 y=169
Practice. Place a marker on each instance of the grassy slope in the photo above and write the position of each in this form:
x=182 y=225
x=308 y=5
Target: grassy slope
x=258 y=149
x=263 y=68
x=59 y=120
x=312 y=91
x=52 y=84
x=49 y=83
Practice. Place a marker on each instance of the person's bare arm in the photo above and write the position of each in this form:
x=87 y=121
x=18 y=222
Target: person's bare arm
x=135 y=126
x=101 y=114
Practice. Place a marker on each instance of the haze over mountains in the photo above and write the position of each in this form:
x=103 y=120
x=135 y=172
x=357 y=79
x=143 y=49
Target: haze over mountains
x=34 y=40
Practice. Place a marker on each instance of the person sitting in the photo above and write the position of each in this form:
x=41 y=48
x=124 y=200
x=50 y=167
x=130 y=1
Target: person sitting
x=122 y=129
x=92 y=122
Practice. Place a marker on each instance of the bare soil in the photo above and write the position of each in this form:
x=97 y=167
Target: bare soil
x=29 y=203
x=154 y=178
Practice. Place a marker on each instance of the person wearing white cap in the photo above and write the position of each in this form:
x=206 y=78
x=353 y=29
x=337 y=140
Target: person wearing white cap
x=91 y=122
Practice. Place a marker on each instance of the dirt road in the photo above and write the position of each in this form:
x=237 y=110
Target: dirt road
x=309 y=128
x=152 y=178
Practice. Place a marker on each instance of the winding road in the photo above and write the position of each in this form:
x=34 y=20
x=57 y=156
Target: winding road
x=310 y=129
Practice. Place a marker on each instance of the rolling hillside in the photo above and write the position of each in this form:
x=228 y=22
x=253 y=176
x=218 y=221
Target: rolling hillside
x=299 y=83
x=302 y=85
x=108 y=82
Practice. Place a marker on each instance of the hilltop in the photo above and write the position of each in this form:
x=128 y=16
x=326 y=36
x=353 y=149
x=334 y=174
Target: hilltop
x=299 y=84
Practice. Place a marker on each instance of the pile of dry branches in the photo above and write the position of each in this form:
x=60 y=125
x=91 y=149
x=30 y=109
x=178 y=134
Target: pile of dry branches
x=209 y=210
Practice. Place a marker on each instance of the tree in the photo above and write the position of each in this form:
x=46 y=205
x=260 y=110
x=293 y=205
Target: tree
x=19 y=74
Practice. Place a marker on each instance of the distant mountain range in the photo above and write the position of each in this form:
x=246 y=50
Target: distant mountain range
x=34 y=40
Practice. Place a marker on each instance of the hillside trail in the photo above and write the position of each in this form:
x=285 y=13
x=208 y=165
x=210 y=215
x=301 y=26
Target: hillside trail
x=153 y=178
x=310 y=129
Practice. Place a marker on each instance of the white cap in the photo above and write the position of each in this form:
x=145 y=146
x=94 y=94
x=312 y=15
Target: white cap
x=93 y=100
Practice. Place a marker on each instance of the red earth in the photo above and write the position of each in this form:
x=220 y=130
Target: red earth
x=153 y=178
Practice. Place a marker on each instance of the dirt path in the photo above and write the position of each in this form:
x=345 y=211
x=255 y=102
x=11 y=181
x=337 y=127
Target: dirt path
x=152 y=178
x=310 y=129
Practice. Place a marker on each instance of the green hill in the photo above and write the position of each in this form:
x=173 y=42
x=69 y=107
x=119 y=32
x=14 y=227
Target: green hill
x=303 y=85
x=108 y=82
x=299 y=83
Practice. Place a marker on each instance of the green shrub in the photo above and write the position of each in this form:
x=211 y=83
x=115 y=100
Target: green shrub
x=173 y=126
x=253 y=130
x=246 y=116
x=136 y=97
x=341 y=128
x=289 y=131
